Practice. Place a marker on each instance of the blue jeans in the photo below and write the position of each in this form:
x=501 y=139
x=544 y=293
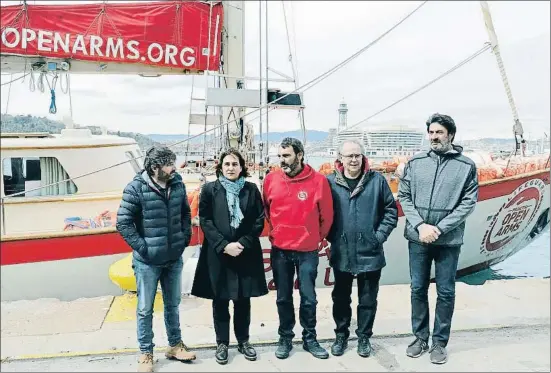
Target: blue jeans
x=284 y=264
x=445 y=264
x=147 y=279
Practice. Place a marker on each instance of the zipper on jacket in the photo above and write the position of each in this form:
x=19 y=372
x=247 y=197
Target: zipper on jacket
x=169 y=223
x=433 y=184
x=167 y=204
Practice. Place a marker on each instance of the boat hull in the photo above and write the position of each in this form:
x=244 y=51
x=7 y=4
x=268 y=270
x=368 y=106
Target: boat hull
x=77 y=264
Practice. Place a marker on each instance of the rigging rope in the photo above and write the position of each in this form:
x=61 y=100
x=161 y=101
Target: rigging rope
x=267 y=117
x=70 y=96
x=53 y=107
x=468 y=59
x=40 y=85
x=288 y=40
x=32 y=81
x=294 y=38
x=9 y=94
x=260 y=137
x=304 y=87
x=294 y=70
x=65 y=88
x=16 y=79
x=210 y=49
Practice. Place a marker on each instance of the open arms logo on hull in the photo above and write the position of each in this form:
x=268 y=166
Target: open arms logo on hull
x=514 y=216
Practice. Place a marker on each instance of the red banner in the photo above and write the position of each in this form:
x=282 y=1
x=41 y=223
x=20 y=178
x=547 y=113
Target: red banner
x=169 y=34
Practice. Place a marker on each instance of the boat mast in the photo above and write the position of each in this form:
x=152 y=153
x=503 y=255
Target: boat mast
x=517 y=127
x=233 y=50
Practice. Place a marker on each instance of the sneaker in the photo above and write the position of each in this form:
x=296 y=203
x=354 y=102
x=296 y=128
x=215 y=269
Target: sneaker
x=145 y=363
x=247 y=350
x=180 y=352
x=417 y=348
x=284 y=347
x=364 y=347
x=340 y=345
x=221 y=354
x=438 y=354
x=315 y=349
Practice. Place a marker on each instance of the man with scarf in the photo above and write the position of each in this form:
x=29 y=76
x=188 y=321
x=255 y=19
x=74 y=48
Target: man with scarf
x=437 y=192
x=300 y=211
x=154 y=218
x=365 y=214
x=230 y=265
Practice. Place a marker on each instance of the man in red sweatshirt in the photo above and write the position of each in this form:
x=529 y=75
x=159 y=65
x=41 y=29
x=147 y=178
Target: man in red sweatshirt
x=299 y=207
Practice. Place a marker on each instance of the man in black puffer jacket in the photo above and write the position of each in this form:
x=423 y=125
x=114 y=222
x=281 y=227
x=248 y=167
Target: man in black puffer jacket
x=154 y=218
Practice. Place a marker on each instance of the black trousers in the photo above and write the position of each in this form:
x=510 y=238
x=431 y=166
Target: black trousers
x=241 y=319
x=368 y=288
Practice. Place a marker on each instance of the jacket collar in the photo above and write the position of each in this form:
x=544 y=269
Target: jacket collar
x=454 y=151
x=147 y=179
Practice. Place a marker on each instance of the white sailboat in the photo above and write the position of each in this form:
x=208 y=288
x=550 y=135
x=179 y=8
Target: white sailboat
x=40 y=260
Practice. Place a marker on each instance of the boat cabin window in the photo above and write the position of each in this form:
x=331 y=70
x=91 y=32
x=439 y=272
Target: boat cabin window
x=134 y=161
x=29 y=173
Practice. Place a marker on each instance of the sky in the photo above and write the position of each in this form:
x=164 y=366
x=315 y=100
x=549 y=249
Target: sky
x=434 y=39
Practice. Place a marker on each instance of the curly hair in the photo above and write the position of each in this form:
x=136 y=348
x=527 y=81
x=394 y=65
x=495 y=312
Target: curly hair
x=158 y=157
x=236 y=153
x=445 y=120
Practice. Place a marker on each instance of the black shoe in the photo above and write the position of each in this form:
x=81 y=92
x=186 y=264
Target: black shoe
x=417 y=348
x=246 y=349
x=340 y=345
x=284 y=347
x=221 y=354
x=364 y=347
x=438 y=354
x=315 y=349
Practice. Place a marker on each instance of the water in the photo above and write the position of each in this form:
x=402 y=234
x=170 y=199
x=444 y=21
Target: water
x=532 y=261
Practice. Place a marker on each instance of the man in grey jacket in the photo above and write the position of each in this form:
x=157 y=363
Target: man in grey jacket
x=438 y=191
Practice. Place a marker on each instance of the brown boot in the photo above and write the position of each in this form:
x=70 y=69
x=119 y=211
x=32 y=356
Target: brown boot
x=145 y=363
x=180 y=352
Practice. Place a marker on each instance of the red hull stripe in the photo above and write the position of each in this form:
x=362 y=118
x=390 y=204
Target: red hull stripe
x=83 y=246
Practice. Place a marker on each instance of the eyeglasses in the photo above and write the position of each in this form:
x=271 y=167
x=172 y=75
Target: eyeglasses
x=352 y=156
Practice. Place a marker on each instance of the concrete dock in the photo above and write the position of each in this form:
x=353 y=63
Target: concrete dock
x=499 y=326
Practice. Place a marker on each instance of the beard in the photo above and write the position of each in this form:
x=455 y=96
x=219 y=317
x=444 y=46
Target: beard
x=441 y=146
x=164 y=177
x=294 y=168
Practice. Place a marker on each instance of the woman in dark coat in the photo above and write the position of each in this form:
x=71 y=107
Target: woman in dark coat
x=230 y=265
